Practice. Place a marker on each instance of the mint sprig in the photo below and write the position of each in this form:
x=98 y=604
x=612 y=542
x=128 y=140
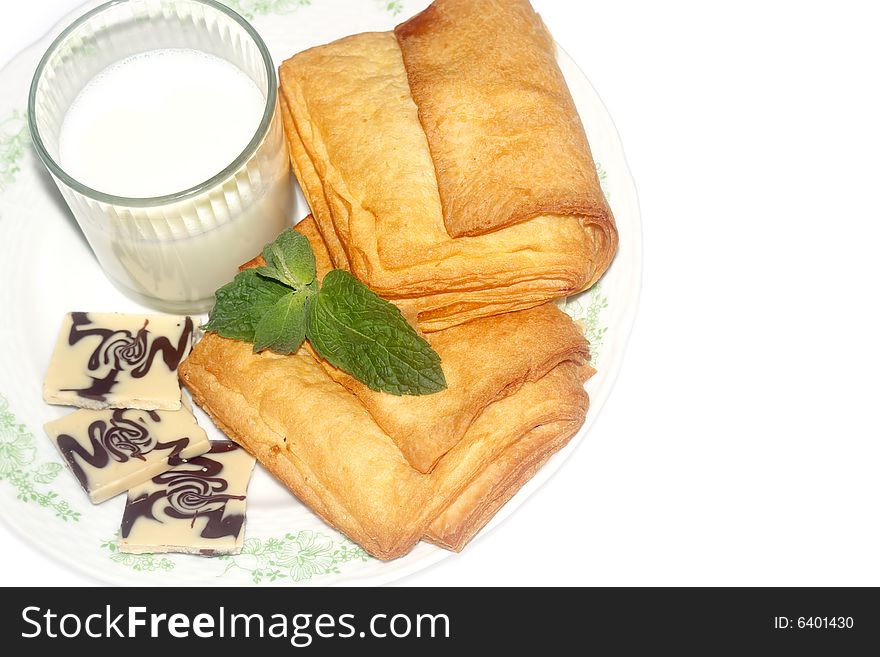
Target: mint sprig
x=242 y=303
x=283 y=327
x=290 y=260
x=279 y=305
x=356 y=330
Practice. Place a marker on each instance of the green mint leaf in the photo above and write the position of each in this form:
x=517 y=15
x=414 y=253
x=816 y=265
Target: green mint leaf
x=289 y=259
x=357 y=331
x=242 y=303
x=274 y=274
x=283 y=328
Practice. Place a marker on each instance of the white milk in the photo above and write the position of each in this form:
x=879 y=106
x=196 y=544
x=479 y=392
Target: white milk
x=158 y=123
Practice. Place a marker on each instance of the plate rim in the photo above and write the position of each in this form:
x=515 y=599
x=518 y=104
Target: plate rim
x=547 y=472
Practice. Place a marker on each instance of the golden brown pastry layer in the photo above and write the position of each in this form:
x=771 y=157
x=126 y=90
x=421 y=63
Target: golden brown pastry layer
x=504 y=133
x=496 y=484
x=483 y=361
x=322 y=443
x=362 y=159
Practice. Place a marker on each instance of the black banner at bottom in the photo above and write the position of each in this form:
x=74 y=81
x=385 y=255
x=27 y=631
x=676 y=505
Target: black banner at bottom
x=399 y=621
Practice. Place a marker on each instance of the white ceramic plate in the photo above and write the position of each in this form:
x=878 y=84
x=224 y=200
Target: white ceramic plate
x=47 y=269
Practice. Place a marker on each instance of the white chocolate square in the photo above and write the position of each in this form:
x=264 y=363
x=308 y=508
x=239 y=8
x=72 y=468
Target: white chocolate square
x=113 y=360
x=197 y=507
x=111 y=450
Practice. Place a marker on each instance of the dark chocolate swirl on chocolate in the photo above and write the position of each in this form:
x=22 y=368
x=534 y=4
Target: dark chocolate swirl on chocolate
x=125 y=439
x=120 y=440
x=120 y=348
x=191 y=492
x=120 y=351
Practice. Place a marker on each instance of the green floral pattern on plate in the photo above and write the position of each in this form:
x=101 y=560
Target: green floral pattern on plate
x=140 y=562
x=603 y=180
x=295 y=557
x=14 y=141
x=394 y=6
x=250 y=9
x=18 y=453
x=586 y=309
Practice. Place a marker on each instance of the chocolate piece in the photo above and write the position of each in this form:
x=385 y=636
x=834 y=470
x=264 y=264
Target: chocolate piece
x=112 y=360
x=109 y=451
x=196 y=507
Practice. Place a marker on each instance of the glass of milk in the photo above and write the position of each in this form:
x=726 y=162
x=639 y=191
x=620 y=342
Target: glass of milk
x=157 y=120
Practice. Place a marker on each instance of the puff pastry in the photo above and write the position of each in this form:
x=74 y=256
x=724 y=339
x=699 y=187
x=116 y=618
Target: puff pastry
x=483 y=361
x=490 y=97
x=512 y=348
x=362 y=158
x=321 y=442
x=496 y=484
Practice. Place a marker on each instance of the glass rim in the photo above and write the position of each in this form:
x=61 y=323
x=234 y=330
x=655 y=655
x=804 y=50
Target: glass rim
x=150 y=201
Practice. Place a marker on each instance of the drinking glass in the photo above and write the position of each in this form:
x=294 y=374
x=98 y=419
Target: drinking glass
x=170 y=252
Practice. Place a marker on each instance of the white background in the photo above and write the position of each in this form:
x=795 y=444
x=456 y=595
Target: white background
x=740 y=445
